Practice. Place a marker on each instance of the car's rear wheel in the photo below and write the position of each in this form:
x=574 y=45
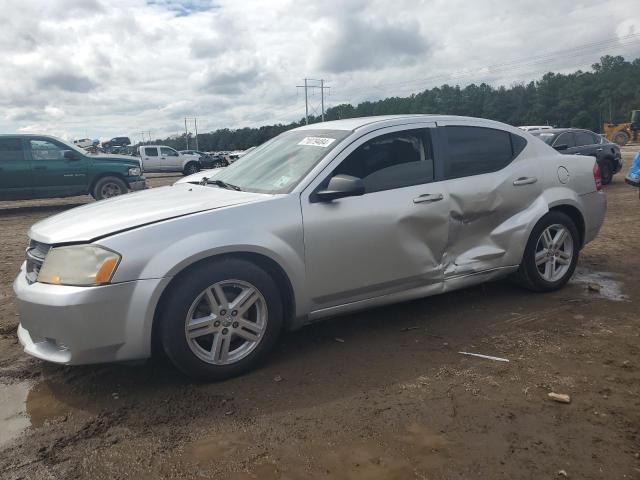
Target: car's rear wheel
x=551 y=254
x=108 y=187
x=606 y=172
x=191 y=168
x=221 y=319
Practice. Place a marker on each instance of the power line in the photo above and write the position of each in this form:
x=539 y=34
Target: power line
x=310 y=86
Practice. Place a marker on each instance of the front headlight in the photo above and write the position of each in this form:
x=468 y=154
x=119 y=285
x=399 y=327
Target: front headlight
x=134 y=172
x=79 y=265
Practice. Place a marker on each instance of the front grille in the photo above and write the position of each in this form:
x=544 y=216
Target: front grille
x=36 y=252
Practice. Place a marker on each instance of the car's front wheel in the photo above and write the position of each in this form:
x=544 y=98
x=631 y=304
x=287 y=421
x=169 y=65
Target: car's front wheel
x=551 y=254
x=191 y=168
x=108 y=187
x=220 y=319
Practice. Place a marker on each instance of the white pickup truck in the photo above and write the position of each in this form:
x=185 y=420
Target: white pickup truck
x=159 y=158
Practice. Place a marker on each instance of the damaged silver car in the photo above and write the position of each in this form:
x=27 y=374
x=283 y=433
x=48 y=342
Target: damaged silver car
x=322 y=220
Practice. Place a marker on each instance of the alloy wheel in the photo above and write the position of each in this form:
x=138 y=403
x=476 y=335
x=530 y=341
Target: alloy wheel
x=554 y=252
x=110 y=189
x=226 y=322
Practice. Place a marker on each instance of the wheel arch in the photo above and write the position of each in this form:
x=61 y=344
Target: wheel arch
x=273 y=268
x=575 y=215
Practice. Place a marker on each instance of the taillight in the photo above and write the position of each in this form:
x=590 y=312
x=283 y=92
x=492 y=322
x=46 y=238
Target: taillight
x=597 y=177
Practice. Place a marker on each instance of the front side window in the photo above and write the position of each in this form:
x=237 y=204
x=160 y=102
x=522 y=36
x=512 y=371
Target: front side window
x=46 y=150
x=565 y=139
x=151 y=151
x=11 y=150
x=584 y=138
x=278 y=165
x=393 y=160
x=169 y=152
x=479 y=150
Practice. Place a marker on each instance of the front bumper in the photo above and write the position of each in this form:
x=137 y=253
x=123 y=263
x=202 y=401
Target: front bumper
x=80 y=325
x=138 y=185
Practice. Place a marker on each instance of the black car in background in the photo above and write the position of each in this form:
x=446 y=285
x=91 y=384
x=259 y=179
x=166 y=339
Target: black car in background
x=115 y=142
x=575 y=141
x=207 y=160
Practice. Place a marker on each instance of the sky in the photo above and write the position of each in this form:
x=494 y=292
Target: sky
x=104 y=68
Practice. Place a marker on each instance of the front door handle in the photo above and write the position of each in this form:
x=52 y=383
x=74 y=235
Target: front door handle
x=40 y=168
x=525 y=181
x=598 y=149
x=428 y=198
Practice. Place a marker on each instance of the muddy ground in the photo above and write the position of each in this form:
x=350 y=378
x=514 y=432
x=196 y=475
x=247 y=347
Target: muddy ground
x=378 y=395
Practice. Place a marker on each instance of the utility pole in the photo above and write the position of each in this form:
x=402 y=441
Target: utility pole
x=186 y=133
x=307 y=85
x=195 y=123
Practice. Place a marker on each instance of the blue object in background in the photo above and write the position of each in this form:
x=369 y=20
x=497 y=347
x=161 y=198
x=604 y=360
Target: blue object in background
x=633 y=177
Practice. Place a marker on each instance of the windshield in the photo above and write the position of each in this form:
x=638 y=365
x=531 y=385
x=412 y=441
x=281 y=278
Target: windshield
x=279 y=164
x=547 y=138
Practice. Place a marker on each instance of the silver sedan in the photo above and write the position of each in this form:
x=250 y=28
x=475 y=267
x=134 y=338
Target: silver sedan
x=322 y=220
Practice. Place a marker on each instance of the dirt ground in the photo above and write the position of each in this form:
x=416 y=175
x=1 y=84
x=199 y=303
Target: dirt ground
x=382 y=394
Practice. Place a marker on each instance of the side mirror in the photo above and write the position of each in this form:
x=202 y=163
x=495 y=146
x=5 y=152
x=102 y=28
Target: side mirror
x=70 y=155
x=341 y=186
x=561 y=147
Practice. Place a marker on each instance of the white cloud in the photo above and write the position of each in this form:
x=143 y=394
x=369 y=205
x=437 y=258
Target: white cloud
x=101 y=68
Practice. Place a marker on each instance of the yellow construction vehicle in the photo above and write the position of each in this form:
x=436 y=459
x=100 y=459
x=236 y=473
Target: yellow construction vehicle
x=622 y=133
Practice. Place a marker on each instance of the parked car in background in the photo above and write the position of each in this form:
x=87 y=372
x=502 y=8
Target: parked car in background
x=207 y=160
x=160 y=158
x=40 y=166
x=575 y=141
x=321 y=220
x=116 y=142
x=529 y=128
x=83 y=142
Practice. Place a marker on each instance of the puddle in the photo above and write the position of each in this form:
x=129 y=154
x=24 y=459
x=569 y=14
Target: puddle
x=25 y=405
x=602 y=284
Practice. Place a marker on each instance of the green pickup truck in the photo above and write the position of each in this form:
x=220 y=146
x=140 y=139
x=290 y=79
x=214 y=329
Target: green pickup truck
x=40 y=166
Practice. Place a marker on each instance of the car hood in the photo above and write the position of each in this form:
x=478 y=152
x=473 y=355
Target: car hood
x=106 y=217
x=197 y=177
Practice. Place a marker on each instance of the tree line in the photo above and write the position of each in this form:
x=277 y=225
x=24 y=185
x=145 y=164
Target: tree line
x=608 y=92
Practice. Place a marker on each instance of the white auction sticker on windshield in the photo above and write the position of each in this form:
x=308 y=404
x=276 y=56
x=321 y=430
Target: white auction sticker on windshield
x=317 y=141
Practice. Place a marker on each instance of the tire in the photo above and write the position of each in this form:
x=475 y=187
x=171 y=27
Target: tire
x=219 y=164
x=606 y=172
x=197 y=296
x=621 y=138
x=529 y=275
x=108 y=187
x=191 y=168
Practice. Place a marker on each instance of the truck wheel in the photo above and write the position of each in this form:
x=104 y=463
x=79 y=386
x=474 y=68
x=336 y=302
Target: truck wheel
x=108 y=187
x=191 y=168
x=606 y=172
x=551 y=254
x=621 y=138
x=221 y=319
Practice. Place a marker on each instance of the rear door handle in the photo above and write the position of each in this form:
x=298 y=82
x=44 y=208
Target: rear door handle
x=40 y=168
x=428 y=198
x=598 y=149
x=525 y=181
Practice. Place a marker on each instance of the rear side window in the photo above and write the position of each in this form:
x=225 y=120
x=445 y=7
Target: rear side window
x=11 y=150
x=151 y=151
x=478 y=150
x=394 y=160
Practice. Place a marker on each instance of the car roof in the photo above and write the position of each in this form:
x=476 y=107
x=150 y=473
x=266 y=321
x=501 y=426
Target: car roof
x=381 y=121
